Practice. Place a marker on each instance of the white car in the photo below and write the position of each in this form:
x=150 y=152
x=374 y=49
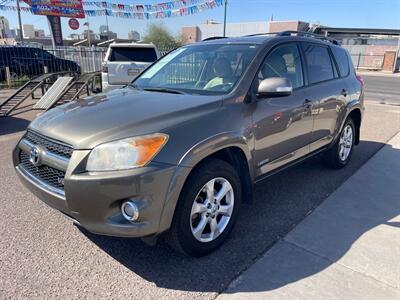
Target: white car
x=124 y=61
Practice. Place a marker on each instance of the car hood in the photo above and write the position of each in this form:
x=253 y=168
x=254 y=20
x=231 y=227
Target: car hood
x=119 y=114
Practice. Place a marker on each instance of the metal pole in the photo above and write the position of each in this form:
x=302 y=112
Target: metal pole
x=108 y=28
x=88 y=33
x=21 y=35
x=396 y=57
x=225 y=5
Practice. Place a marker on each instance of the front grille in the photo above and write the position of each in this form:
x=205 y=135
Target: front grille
x=48 y=175
x=51 y=145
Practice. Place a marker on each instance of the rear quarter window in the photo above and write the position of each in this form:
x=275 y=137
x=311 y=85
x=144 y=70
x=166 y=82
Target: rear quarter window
x=133 y=54
x=342 y=61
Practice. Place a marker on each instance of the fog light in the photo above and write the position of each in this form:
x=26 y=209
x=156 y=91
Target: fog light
x=130 y=211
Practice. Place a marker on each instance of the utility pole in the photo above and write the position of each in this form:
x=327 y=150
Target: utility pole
x=21 y=35
x=88 y=31
x=108 y=28
x=225 y=5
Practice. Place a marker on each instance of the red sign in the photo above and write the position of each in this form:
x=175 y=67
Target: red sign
x=73 y=24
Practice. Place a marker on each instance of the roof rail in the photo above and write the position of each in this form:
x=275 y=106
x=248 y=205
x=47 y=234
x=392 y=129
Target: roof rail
x=308 y=34
x=214 y=38
x=263 y=33
x=299 y=33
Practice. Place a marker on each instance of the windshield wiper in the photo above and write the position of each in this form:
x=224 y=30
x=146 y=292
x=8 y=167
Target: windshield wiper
x=164 y=90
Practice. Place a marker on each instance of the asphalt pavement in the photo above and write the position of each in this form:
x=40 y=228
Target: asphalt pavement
x=42 y=255
x=382 y=89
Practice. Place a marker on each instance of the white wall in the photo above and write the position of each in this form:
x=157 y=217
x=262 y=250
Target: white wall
x=28 y=31
x=233 y=29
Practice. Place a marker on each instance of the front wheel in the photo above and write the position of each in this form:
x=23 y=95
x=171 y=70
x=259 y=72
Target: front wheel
x=340 y=154
x=207 y=209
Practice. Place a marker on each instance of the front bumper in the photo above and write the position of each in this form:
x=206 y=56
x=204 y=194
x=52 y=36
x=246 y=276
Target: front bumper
x=93 y=199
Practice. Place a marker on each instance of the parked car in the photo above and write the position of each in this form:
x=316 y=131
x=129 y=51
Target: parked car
x=30 y=61
x=180 y=148
x=124 y=61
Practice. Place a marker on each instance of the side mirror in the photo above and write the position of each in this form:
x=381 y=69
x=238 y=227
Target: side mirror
x=274 y=87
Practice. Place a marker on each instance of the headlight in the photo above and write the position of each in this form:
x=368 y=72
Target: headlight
x=126 y=154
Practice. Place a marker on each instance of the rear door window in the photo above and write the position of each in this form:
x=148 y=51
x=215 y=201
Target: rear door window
x=342 y=61
x=133 y=54
x=319 y=63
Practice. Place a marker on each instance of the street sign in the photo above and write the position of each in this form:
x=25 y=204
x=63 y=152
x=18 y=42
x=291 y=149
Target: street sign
x=73 y=24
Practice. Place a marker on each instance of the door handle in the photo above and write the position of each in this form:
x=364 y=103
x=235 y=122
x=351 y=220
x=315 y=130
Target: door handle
x=343 y=93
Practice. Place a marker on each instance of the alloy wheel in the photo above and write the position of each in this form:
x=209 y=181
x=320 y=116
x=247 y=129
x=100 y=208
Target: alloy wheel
x=345 y=142
x=212 y=209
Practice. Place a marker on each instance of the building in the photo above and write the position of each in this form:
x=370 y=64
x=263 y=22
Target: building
x=89 y=34
x=211 y=28
x=107 y=35
x=278 y=26
x=103 y=28
x=5 y=31
x=369 y=48
x=191 y=34
x=73 y=36
x=16 y=33
x=133 y=35
x=39 y=33
x=28 y=31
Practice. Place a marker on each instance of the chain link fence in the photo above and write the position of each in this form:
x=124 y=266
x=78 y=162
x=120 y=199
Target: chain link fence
x=367 y=61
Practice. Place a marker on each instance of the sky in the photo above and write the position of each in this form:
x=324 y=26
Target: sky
x=334 y=13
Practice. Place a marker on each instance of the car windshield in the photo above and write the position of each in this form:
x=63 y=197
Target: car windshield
x=140 y=54
x=201 y=69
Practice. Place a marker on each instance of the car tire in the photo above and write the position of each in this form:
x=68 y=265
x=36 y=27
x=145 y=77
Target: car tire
x=339 y=155
x=194 y=209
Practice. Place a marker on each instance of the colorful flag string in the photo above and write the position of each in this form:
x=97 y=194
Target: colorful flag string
x=135 y=8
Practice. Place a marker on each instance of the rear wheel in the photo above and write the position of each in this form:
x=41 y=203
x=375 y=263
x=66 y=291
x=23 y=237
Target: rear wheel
x=340 y=154
x=207 y=209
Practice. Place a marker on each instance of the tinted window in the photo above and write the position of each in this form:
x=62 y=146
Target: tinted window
x=319 y=64
x=283 y=61
x=133 y=54
x=342 y=60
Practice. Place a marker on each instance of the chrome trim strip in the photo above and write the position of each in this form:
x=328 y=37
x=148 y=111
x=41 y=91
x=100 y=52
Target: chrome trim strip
x=40 y=184
x=49 y=159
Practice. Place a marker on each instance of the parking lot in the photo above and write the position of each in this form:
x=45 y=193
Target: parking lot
x=43 y=255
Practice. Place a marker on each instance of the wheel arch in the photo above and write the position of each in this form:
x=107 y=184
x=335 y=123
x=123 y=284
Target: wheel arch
x=355 y=115
x=229 y=147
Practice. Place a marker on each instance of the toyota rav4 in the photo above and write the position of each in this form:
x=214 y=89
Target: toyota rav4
x=179 y=149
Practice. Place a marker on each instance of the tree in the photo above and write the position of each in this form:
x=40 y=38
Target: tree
x=161 y=37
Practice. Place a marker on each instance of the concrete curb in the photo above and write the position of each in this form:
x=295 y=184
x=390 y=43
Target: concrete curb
x=346 y=249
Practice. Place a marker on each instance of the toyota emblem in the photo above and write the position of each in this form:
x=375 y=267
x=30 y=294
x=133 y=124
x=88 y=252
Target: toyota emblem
x=34 y=156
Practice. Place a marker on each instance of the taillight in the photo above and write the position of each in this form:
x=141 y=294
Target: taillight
x=104 y=68
x=360 y=79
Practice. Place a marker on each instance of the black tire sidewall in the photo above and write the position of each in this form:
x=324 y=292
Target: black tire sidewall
x=212 y=169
